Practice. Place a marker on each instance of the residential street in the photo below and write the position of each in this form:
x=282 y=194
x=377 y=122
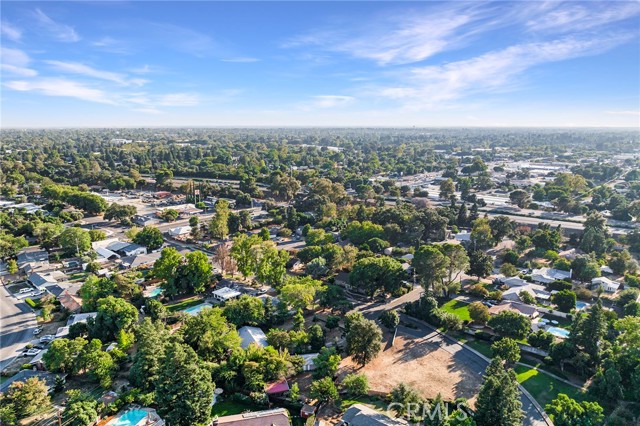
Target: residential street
x=17 y=323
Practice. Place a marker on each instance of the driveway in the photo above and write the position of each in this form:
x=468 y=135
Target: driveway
x=17 y=322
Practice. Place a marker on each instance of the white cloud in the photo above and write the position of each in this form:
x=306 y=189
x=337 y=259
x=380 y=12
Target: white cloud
x=62 y=32
x=82 y=69
x=490 y=72
x=331 y=101
x=565 y=17
x=112 y=45
x=60 y=87
x=241 y=59
x=10 y=31
x=16 y=62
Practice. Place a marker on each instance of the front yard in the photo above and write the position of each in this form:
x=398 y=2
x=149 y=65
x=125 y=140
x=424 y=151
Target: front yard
x=458 y=308
x=545 y=388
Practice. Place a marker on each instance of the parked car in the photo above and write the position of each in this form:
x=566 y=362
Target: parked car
x=32 y=352
x=37 y=330
x=25 y=290
x=47 y=338
x=39 y=292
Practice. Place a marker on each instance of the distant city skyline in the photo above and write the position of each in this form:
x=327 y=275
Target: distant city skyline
x=388 y=64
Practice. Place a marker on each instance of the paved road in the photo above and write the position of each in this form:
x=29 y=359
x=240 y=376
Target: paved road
x=17 y=322
x=478 y=365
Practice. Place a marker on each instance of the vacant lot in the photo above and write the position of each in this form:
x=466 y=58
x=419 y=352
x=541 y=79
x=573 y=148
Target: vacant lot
x=421 y=364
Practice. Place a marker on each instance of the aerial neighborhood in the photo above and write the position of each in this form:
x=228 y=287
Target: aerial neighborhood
x=305 y=277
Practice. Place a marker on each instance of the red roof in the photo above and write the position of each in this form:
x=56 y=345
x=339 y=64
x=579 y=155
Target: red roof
x=277 y=387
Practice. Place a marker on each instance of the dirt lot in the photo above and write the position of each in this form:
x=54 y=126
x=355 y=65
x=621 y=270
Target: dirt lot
x=421 y=364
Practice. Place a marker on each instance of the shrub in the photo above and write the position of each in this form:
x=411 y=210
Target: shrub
x=495 y=295
x=479 y=290
x=632 y=280
x=540 y=339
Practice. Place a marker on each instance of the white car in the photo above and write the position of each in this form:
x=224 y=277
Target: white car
x=47 y=338
x=37 y=330
x=32 y=352
x=25 y=290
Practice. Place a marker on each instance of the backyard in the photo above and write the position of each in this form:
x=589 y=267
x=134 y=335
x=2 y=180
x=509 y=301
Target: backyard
x=545 y=388
x=458 y=308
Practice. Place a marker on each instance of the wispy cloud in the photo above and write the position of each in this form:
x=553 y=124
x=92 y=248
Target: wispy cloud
x=178 y=99
x=10 y=31
x=575 y=16
x=184 y=39
x=329 y=101
x=112 y=45
x=16 y=62
x=241 y=59
x=61 y=32
x=82 y=69
x=61 y=87
x=491 y=72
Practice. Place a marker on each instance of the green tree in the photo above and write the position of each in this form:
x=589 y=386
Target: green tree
x=271 y=264
x=166 y=268
x=112 y=316
x=150 y=237
x=585 y=268
x=479 y=313
x=402 y=397
x=120 y=212
x=565 y=300
x=299 y=292
x=75 y=241
x=482 y=234
x=540 y=339
x=480 y=264
x=508 y=270
x=93 y=289
x=565 y=411
x=377 y=274
x=447 y=189
x=152 y=338
x=61 y=354
x=355 y=384
x=507 y=349
x=218 y=227
x=324 y=390
x=245 y=310
x=327 y=363
x=82 y=409
x=244 y=253
x=28 y=397
x=511 y=324
x=499 y=398
x=12 y=266
x=364 y=339
x=210 y=335
x=97 y=363
x=197 y=272
x=184 y=389
x=390 y=319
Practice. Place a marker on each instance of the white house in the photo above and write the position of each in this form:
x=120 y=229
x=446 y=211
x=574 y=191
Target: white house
x=606 y=284
x=225 y=293
x=536 y=290
x=549 y=275
x=180 y=230
x=251 y=335
x=309 y=363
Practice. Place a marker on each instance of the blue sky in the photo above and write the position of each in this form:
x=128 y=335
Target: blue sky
x=112 y=63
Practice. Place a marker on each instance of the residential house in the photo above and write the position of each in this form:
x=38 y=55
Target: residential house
x=141 y=260
x=536 y=290
x=78 y=318
x=607 y=285
x=225 y=293
x=520 y=308
x=33 y=257
x=277 y=388
x=69 y=302
x=309 y=364
x=251 y=335
x=179 y=231
x=361 y=415
x=276 y=417
x=549 y=275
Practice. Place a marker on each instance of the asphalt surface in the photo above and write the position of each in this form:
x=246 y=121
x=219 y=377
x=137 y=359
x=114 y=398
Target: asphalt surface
x=17 y=322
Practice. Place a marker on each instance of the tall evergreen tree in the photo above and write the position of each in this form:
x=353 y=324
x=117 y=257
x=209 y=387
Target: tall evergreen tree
x=499 y=398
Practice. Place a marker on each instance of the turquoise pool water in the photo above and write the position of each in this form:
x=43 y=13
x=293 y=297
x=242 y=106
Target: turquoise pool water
x=581 y=305
x=130 y=418
x=557 y=331
x=155 y=292
x=194 y=310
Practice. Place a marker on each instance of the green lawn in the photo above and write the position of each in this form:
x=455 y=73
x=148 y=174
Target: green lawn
x=481 y=346
x=458 y=308
x=543 y=387
x=184 y=304
x=375 y=401
x=229 y=408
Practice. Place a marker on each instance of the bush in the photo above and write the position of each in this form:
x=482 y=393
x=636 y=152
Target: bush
x=495 y=295
x=540 y=339
x=560 y=285
x=632 y=280
x=332 y=322
x=479 y=290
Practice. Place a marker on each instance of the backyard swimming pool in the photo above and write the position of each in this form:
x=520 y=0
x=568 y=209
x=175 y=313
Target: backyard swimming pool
x=557 y=331
x=130 y=418
x=194 y=310
x=155 y=292
x=581 y=305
